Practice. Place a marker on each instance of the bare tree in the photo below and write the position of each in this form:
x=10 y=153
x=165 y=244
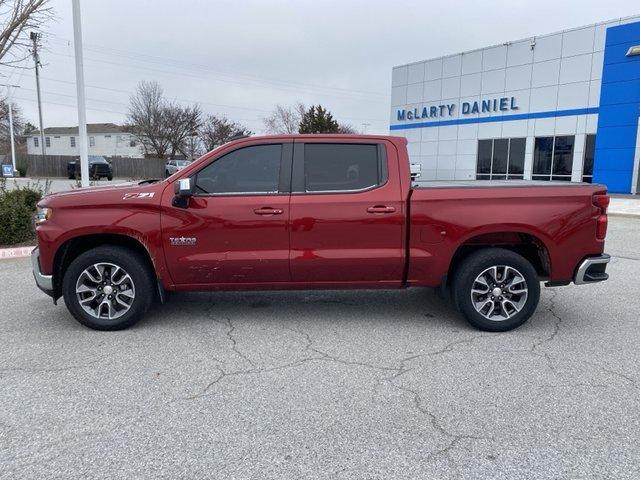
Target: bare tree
x=285 y=119
x=193 y=147
x=17 y=18
x=147 y=119
x=18 y=125
x=346 y=129
x=217 y=131
x=182 y=123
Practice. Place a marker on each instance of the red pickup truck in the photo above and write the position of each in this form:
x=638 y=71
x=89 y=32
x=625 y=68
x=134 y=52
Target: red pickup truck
x=317 y=212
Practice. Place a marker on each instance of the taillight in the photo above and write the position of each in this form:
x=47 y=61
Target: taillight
x=601 y=200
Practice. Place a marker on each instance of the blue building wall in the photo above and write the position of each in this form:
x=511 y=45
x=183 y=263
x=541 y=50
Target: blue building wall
x=619 y=110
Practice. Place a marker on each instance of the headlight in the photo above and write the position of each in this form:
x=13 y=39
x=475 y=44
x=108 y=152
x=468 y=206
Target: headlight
x=43 y=214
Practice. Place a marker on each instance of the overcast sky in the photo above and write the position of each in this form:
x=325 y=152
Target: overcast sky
x=240 y=58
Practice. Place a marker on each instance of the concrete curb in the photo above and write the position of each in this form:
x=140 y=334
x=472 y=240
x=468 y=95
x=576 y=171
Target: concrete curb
x=624 y=215
x=16 y=252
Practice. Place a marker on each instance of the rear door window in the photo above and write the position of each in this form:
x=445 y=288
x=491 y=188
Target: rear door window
x=330 y=167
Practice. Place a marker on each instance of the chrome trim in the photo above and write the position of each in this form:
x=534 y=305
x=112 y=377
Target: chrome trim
x=355 y=190
x=584 y=266
x=44 y=282
x=236 y=194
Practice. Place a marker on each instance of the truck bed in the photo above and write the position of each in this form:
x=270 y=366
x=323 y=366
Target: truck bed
x=556 y=217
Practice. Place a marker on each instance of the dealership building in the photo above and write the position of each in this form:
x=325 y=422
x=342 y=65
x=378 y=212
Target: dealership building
x=564 y=106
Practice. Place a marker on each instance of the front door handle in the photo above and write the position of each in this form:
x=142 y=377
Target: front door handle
x=381 y=209
x=268 y=211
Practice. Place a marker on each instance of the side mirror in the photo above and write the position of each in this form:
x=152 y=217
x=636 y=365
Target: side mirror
x=184 y=190
x=185 y=187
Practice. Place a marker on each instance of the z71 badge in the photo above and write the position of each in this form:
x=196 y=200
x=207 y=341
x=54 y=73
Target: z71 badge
x=127 y=196
x=182 y=241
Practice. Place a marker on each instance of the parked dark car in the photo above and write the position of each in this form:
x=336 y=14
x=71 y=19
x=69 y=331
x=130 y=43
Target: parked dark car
x=99 y=167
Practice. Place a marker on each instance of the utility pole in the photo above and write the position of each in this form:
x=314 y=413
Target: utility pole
x=36 y=58
x=11 y=134
x=364 y=128
x=82 y=116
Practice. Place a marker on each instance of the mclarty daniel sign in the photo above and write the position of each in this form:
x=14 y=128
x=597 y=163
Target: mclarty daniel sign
x=501 y=104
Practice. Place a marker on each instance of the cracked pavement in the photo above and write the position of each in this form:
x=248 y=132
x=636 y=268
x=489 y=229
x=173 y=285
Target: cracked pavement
x=353 y=385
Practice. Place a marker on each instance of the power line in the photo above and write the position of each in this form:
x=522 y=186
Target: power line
x=231 y=80
x=131 y=54
x=117 y=112
x=48 y=92
x=121 y=112
x=223 y=80
x=177 y=98
x=48 y=102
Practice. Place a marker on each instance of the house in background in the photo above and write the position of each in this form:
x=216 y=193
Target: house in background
x=105 y=139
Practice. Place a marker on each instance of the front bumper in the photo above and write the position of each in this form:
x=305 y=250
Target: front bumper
x=592 y=270
x=44 y=282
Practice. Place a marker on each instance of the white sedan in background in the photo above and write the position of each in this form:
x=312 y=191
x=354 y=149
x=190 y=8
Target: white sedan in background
x=172 y=166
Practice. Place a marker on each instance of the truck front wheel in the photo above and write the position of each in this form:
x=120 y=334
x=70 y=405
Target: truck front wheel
x=496 y=289
x=108 y=288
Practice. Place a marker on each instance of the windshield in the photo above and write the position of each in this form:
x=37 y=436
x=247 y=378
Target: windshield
x=97 y=159
x=182 y=163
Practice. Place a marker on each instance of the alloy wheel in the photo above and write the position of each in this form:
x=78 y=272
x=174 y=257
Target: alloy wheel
x=105 y=291
x=499 y=292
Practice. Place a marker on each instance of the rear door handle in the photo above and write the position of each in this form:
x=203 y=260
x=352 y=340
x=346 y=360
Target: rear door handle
x=381 y=209
x=268 y=211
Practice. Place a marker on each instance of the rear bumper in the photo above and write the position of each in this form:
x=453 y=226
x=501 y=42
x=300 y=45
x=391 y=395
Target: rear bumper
x=592 y=270
x=44 y=282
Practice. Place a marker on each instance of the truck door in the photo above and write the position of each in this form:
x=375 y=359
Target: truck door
x=347 y=217
x=235 y=228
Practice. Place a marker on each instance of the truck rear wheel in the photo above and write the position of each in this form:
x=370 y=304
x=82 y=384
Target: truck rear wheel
x=496 y=289
x=108 y=288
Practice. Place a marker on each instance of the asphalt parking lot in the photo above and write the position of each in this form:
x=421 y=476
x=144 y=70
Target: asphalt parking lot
x=361 y=385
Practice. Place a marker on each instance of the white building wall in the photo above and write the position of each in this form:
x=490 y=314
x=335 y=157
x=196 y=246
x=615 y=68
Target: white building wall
x=109 y=145
x=560 y=71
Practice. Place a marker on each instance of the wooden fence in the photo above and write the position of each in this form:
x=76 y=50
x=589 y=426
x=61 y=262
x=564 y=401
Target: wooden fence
x=56 y=166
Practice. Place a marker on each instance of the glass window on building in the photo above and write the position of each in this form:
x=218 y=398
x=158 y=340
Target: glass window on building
x=92 y=141
x=501 y=159
x=553 y=158
x=485 y=151
x=516 y=158
x=47 y=141
x=36 y=142
x=589 y=153
x=73 y=141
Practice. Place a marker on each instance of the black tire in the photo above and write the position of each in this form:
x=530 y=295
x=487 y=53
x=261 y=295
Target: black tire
x=109 y=178
x=133 y=264
x=166 y=174
x=465 y=280
x=71 y=177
